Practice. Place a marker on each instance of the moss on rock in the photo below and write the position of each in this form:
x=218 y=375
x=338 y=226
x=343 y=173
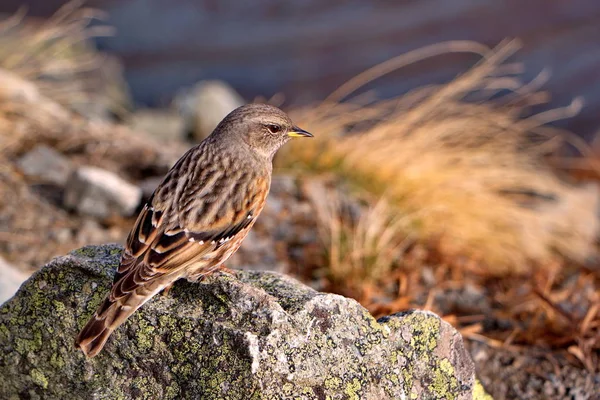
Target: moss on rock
x=258 y=336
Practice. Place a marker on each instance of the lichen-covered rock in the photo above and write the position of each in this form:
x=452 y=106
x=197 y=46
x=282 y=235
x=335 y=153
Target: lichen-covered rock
x=258 y=336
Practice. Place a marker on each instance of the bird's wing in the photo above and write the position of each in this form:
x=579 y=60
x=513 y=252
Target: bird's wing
x=169 y=236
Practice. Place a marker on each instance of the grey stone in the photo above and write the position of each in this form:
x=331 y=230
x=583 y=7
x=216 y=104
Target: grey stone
x=164 y=125
x=100 y=193
x=46 y=164
x=205 y=105
x=258 y=336
x=10 y=280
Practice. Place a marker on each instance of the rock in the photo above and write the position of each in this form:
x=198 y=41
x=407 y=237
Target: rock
x=47 y=164
x=205 y=105
x=100 y=193
x=260 y=336
x=12 y=278
x=164 y=125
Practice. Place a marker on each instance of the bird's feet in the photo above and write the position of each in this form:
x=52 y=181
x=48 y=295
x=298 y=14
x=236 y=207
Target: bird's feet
x=204 y=274
x=165 y=291
x=227 y=271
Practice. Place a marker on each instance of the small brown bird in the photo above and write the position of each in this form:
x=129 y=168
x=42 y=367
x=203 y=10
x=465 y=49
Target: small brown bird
x=197 y=217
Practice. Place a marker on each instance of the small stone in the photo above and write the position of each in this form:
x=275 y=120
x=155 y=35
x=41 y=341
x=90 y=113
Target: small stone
x=90 y=231
x=46 y=164
x=164 y=125
x=205 y=105
x=100 y=193
x=63 y=235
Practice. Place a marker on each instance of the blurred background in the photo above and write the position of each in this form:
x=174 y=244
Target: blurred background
x=455 y=165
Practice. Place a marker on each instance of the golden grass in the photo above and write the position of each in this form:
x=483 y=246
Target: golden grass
x=469 y=174
x=56 y=53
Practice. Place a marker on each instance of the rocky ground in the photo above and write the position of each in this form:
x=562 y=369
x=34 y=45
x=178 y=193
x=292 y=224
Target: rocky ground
x=76 y=173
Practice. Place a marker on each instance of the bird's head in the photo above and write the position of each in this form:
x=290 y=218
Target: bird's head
x=262 y=127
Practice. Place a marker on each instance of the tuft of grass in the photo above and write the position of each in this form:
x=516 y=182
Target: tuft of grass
x=462 y=162
x=56 y=54
x=364 y=243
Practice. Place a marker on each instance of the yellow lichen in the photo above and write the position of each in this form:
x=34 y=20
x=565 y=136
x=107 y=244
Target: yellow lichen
x=353 y=389
x=479 y=392
x=39 y=378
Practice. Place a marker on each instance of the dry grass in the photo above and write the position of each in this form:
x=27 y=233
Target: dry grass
x=56 y=54
x=363 y=244
x=461 y=197
x=470 y=174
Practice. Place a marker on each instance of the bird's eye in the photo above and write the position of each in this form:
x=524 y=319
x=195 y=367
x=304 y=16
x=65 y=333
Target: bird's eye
x=274 y=128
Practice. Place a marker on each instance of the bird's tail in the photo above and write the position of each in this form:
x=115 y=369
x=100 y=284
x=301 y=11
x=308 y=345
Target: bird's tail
x=109 y=316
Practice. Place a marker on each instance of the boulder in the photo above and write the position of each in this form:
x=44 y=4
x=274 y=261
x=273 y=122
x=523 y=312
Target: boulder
x=100 y=193
x=259 y=335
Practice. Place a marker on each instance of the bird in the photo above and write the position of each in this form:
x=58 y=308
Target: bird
x=197 y=217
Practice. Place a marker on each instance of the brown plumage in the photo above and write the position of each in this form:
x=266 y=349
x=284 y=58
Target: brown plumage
x=197 y=217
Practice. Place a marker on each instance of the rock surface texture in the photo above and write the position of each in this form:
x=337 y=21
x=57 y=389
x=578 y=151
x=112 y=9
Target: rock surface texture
x=260 y=336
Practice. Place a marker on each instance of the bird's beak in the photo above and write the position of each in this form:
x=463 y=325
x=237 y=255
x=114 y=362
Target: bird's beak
x=297 y=132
